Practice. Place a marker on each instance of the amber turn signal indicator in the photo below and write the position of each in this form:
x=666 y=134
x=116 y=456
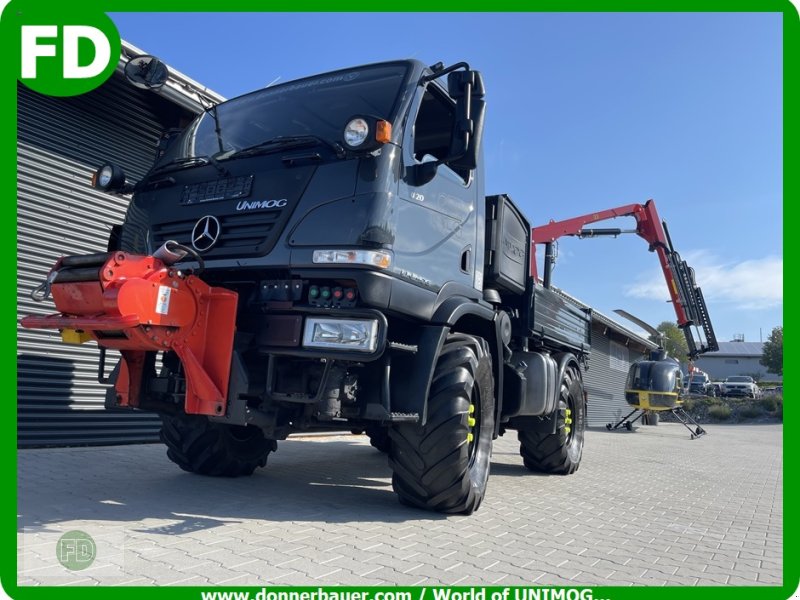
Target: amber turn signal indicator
x=383 y=131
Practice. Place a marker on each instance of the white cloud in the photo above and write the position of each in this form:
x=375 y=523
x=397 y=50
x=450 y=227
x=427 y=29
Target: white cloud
x=750 y=284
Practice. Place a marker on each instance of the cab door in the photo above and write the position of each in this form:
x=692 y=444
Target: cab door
x=437 y=222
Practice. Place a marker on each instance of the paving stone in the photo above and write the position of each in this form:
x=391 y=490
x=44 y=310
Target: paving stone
x=323 y=512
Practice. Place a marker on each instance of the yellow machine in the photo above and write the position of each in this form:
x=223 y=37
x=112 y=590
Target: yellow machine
x=656 y=385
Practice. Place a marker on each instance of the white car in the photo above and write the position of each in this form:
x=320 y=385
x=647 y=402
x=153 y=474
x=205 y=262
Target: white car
x=740 y=385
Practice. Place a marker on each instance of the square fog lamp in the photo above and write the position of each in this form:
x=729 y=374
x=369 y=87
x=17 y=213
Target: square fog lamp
x=343 y=334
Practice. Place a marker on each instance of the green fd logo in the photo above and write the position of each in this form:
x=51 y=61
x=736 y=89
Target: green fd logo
x=33 y=47
x=65 y=54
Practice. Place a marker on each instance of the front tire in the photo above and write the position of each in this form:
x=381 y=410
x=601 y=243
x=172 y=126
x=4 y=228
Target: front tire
x=206 y=447
x=444 y=465
x=560 y=452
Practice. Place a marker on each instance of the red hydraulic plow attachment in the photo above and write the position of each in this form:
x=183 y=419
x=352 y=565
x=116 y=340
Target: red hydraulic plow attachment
x=136 y=304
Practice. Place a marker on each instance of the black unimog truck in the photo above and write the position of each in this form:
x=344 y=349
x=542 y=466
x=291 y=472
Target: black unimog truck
x=321 y=254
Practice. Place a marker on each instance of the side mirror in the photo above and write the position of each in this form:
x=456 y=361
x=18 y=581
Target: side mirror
x=146 y=72
x=466 y=87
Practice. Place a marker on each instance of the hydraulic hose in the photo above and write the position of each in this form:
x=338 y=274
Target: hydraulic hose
x=201 y=264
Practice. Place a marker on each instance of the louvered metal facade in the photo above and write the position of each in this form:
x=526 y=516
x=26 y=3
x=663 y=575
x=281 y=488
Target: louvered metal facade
x=61 y=141
x=614 y=349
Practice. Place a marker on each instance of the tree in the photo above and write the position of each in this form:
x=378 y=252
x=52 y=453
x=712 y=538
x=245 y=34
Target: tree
x=674 y=340
x=773 y=352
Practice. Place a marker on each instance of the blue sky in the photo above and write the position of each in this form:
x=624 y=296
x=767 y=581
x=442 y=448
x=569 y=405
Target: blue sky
x=585 y=111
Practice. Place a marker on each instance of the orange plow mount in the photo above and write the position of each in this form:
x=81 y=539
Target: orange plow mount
x=138 y=304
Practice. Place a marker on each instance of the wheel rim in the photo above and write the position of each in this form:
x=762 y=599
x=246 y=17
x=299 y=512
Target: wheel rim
x=473 y=426
x=567 y=410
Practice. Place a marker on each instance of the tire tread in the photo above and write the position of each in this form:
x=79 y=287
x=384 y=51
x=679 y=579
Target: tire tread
x=430 y=466
x=200 y=446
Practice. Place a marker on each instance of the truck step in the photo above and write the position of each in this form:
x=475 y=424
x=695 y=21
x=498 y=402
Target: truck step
x=397 y=417
x=411 y=348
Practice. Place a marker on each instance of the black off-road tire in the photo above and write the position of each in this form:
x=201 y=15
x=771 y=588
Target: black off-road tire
x=444 y=465
x=379 y=437
x=206 y=447
x=560 y=452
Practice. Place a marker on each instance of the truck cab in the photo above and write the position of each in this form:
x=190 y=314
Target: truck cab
x=290 y=189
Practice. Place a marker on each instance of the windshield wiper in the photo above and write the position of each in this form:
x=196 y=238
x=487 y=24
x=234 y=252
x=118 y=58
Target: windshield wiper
x=283 y=142
x=192 y=161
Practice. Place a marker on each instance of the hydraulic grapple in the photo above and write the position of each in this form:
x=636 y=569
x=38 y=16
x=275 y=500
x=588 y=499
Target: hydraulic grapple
x=139 y=304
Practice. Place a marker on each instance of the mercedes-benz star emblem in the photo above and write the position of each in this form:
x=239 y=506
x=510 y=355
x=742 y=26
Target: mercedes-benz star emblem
x=205 y=233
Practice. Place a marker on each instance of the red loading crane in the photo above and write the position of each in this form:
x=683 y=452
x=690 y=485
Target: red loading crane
x=685 y=295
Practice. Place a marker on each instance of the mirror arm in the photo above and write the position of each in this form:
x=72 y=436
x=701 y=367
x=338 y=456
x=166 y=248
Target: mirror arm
x=443 y=72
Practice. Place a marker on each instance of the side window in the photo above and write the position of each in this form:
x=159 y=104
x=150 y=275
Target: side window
x=433 y=128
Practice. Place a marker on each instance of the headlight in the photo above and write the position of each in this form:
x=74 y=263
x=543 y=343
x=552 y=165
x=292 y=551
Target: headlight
x=365 y=133
x=355 y=132
x=343 y=334
x=374 y=258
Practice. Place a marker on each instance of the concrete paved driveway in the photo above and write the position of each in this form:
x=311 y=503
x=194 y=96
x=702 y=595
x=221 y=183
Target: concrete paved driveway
x=645 y=508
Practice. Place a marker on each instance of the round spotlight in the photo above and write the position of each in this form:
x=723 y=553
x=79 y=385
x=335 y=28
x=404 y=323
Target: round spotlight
x=108 y=178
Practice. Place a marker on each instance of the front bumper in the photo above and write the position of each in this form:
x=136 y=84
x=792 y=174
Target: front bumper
x=743 y=392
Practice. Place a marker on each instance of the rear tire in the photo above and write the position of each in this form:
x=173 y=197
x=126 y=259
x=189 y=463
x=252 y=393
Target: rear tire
x=206 y=447
x=444 y=465
x=559 y=452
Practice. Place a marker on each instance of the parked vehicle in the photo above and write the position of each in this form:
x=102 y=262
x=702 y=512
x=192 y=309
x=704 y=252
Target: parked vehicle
x=320 y=254
x=700 y=383
x=740 y=385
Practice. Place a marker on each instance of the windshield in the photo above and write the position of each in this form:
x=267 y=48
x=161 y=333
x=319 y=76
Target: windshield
x=739 y=379
x=662 y=376
x=318 y=106
x=698 y=379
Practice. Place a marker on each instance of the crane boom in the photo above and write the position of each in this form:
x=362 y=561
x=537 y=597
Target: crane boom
x=685 y=295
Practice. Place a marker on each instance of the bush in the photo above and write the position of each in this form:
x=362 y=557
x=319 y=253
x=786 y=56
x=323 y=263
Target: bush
x=719 y=412
x=750 y=412
x=768 y=403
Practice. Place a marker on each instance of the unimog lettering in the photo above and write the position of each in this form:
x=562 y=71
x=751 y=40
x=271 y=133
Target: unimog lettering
x=256 y=204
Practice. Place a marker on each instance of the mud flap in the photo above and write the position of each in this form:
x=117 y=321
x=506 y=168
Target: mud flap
x=412 y=373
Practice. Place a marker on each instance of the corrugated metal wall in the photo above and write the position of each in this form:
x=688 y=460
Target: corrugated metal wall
x=61 y=141
x=605 y=380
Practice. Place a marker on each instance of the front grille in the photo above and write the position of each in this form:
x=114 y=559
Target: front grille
x=246 y=234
